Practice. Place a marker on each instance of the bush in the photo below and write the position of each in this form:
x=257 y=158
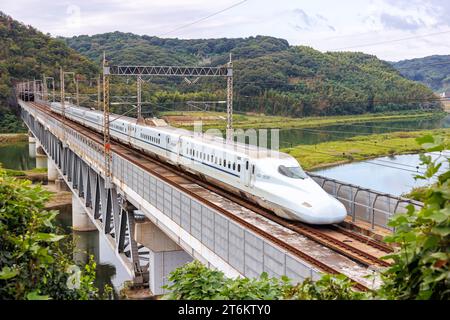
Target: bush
x=194 y=281
x=33 y=259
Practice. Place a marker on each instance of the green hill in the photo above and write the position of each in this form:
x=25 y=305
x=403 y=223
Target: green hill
x=433 y=71
x=26 y=53
x=270 y=75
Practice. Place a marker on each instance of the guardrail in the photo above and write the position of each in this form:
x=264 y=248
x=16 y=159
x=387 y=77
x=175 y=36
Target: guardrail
x=365 y=204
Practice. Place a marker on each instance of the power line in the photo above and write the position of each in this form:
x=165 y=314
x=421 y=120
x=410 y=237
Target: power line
x=202 y=19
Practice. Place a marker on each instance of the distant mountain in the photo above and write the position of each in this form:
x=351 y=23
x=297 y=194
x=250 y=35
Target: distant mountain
x=26 y=53
x=433 y=71
x=270 y=75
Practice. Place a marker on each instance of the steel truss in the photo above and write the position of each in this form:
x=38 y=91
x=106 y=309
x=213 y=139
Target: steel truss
x=176 y=71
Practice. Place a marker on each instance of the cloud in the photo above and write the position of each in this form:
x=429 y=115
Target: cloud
x=435 y=12
x=408 y=23
x=305 y=21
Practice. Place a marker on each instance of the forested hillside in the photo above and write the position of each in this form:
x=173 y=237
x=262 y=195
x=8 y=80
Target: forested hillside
x=26 y=53
x=271 y=76
x=433 y=71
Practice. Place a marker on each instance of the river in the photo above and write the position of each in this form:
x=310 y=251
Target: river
x=393 y=174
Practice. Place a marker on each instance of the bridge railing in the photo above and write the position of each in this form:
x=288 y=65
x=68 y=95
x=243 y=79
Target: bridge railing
x=365 y=204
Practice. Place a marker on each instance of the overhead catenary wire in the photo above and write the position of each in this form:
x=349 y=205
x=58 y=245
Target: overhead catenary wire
x=202 y=19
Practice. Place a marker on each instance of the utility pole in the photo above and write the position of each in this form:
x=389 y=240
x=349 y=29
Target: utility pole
x=63 y=106
x=229 y=131
x=77 y=93
x=44 y=89
x=99 y=106
x=139 y=100
x=106 y=136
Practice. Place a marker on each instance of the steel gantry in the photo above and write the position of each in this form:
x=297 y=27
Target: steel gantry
x=180 y=71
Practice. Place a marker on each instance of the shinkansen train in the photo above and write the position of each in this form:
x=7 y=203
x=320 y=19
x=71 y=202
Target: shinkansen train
x=271 y=179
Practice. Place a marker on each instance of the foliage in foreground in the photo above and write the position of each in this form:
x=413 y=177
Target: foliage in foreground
x=420 y=269
x=194 y=281
x=421 y=265
x=33 y=261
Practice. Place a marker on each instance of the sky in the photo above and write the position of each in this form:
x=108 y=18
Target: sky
x=390 y=29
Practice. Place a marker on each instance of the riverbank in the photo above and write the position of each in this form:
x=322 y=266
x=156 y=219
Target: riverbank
x=217 y=120
x=13 y=137
x=35 y=175
x=360 y=148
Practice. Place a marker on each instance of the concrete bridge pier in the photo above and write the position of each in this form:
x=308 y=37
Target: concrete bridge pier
x=86 y=243
x=41 y=156
x=165 y=254
x=52 y=172
x=80 y=219
x=31 y=145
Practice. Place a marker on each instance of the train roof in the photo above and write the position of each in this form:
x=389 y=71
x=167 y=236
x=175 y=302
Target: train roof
x=238 y=147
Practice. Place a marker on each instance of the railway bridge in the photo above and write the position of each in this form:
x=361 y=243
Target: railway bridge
x=156 y=218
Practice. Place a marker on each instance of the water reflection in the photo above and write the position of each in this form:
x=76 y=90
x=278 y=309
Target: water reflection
x=16 y=156
x=109 y=269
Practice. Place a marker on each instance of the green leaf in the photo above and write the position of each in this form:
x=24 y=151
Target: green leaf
x=8 y=273
x=442 y=231
x=34 y=295
x=49 y=237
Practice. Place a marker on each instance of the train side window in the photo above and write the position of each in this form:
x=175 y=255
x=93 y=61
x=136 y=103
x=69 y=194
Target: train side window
x=253 y=169
x=239 y=167
x=246 y=165
x=234 y=166
x=224 y=162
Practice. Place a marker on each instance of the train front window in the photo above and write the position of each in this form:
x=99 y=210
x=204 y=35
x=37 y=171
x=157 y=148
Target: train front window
x=292 y=172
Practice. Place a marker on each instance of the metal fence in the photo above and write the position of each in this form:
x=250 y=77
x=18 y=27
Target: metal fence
x=364 y=204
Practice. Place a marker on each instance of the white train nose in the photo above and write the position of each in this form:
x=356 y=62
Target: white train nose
x=326 y=211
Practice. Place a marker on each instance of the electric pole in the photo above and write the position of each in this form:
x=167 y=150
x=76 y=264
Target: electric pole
x=229 y=131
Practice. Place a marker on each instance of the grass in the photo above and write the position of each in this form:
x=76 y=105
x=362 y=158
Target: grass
x=13 y=137
x=217 y=119
x=24 y=173
x=360 y=148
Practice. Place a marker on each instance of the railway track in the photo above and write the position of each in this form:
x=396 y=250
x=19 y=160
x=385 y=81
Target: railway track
x=356 y=247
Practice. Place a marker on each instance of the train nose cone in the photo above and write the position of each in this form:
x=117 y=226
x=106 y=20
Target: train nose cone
x=331 y=211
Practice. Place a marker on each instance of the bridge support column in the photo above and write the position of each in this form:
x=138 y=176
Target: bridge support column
x=31 y=145
x=85 y=245
x=80 y=219
x=41 y=157
x=52 y=173
x=165 y=255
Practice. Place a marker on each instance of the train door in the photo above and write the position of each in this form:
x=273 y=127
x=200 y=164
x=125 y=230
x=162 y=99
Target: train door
x=247 y=173
x=130 y=133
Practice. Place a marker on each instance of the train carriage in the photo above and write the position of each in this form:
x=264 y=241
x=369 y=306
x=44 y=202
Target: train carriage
x=272 y=179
